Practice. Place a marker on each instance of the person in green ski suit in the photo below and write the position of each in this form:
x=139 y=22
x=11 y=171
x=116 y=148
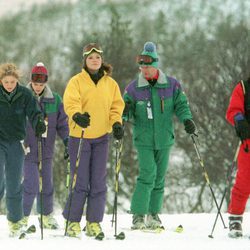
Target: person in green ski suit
x=152 y=99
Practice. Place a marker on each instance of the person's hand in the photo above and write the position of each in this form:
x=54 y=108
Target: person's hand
x=242 y=128
x=40 y=127
x=189 y=126
x=83 y=120
x=118 y=130
x=66 y=154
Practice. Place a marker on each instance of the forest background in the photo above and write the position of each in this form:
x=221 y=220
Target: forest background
x=204 y=44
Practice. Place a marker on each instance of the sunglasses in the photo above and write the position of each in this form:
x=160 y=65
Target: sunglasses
x=39 y=78
x=90 y=48
x=145 y=59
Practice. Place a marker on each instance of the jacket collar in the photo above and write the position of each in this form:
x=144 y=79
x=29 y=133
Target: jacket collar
x=162 y=81
x=47 y=93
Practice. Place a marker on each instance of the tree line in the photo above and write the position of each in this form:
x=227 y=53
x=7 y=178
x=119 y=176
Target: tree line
x=206 y=48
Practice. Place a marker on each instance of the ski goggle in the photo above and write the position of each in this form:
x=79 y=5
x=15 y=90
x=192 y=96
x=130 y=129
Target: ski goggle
x=145 y=60
x=39 y=78
x=90 y=48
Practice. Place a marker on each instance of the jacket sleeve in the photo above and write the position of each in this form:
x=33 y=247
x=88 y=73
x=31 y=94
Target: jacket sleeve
x=128 y=99
x=117 y=106
x=181 y=106
x=72 y=99
x=32 y=110
x=62 y=121
x=236 y=104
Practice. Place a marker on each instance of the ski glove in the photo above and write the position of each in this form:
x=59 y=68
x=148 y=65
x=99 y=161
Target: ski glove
x=189 y=126
x=40 y=127
x=66 y=153
x=118 y=130
x=83 y=120
x=242 y=127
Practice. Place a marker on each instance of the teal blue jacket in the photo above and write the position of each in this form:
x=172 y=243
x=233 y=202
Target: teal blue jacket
x=14 y=114
x=152 y=108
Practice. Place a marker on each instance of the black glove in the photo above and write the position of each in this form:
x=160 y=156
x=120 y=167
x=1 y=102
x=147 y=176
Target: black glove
x=189 y=126
x=40 y=127
x=66 y=153
x=242 y=128
x=83 y=120
x=118 y=131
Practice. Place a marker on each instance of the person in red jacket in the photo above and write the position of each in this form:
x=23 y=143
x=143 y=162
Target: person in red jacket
x=238 y=115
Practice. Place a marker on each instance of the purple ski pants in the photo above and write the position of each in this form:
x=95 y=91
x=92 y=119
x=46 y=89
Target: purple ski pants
x=91 y=179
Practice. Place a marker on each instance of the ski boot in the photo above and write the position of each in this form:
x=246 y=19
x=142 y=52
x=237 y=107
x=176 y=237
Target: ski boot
x=93 y=229
x=74 y=229
x=49 y=222
x=235 y=226
x=153 y=222
x=24 y=221
x=138 y=222
x=16 y=228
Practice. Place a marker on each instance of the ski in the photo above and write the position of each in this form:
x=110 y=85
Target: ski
x=120 y=236
x=29 y=230
x=157 y=230
x=178 y=229
x=100 y=236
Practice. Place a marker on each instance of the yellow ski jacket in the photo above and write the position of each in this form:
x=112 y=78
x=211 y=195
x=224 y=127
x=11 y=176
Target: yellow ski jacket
x=103 y=102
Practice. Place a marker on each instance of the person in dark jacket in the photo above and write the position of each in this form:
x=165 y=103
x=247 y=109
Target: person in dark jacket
x=16 y=104
x=152 y=100
x=56 y=123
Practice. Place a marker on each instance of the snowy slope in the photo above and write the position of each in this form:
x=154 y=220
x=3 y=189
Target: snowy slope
x=197 y=227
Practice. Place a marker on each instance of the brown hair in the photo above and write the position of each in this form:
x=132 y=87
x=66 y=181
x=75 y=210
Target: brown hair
x=9 y=69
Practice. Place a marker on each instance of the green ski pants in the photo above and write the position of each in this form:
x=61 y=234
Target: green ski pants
x=149 y=190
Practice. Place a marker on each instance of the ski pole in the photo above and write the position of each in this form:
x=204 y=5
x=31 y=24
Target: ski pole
x=228 y=182
x=118 y=146
x=68 y=174
x=207 y=178
x=40 y=183
x=73 y=180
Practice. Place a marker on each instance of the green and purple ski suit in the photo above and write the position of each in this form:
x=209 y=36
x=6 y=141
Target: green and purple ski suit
x=151 y=110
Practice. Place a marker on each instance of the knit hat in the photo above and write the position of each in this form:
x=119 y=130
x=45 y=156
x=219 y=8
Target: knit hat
x=149 y=50
x=39 y=73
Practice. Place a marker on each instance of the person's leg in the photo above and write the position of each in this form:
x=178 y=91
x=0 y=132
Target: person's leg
x=30 y=185
x=145 y=181
x=98 y=173
x=156 y=198
x=81 y=189
x=241 y=189
x=239 y=194
x=14 y=170
x=47 y=188
x=2 y=168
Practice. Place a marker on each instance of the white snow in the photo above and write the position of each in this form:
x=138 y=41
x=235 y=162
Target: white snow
x=197 y=227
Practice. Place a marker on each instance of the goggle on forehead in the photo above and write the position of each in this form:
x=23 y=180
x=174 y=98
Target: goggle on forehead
x=90 y=48
x=145 y=60
x=39 y=78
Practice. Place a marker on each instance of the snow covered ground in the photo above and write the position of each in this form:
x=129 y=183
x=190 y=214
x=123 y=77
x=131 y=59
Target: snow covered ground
x=197 y=227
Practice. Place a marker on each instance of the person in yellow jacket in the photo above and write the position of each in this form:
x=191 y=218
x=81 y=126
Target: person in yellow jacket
x=94 y=105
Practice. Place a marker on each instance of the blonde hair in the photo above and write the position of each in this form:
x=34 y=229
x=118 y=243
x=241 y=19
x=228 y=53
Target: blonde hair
x=9 y=69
